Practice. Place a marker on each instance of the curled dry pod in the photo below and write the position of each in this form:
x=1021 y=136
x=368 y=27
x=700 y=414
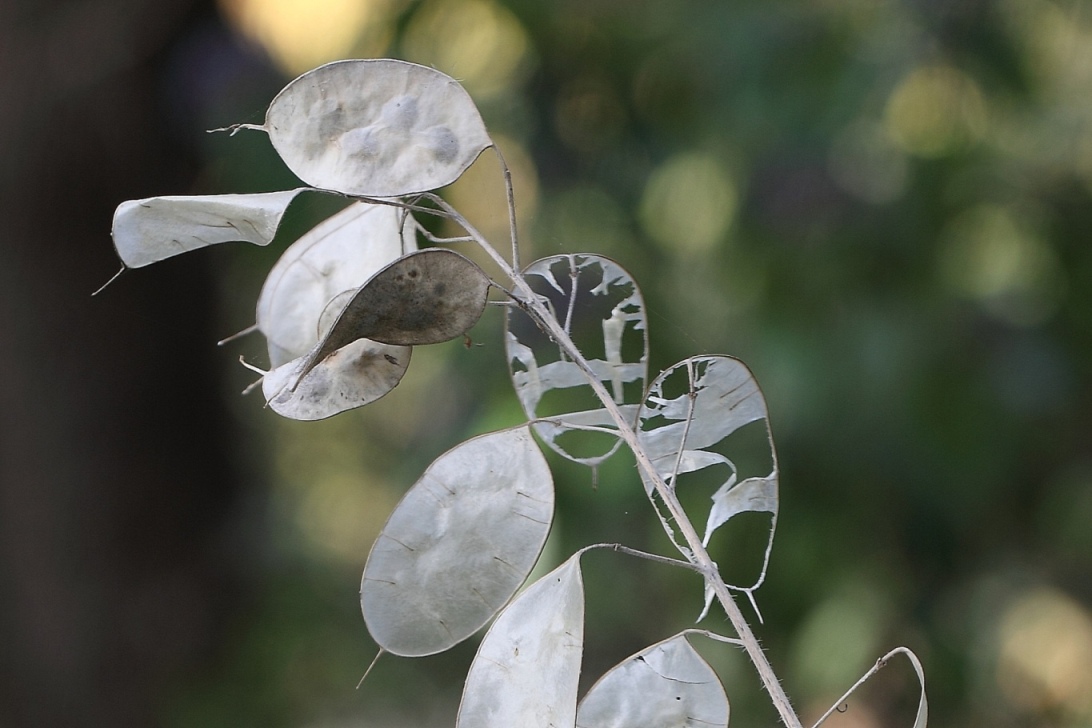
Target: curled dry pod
x=459 y=544
x=150 y=230
x=379 y=127
x=299 y=298
x=422 y=298
x=694 y=426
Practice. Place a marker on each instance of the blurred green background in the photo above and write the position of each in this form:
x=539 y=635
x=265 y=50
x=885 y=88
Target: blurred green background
x=883 y=207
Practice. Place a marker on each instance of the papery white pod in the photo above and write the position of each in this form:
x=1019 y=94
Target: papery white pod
x=378 y=127
x=667 y=684
x=527 y=668
x=357 y=374
x=149 y=230
x=600 y=306
x=424 y=297
x=459 y=544
x=685 y=422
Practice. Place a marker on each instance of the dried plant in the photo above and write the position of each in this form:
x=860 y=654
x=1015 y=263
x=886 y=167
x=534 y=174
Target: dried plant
x=341 y=311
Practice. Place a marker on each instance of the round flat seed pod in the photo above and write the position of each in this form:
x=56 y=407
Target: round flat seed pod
x=527 y=668
x=604 y=313
x=694 y=420
x=380 y=127
x=459 y=544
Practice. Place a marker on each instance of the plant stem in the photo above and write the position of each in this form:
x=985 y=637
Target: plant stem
x=699 y=556
x=697 y=553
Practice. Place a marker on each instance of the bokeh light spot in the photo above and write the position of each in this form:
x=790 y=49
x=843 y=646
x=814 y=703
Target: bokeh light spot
x=479 y=194
x=865 y=163
x=839 y=639
x=334 y=499
x=1014 y=273
x=478 y=42
x=935 y=111
x=1056 y=45
x=1045 y=658
x=688 y=204
x=302 y=34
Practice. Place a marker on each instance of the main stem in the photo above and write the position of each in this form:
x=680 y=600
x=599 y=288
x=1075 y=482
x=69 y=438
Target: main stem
x=697 y=552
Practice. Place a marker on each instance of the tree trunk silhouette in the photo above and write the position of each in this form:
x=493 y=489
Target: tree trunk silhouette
x=115 y=479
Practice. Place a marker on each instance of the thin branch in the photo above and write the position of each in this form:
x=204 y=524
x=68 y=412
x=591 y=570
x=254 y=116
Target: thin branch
x=113 y=278
x=880 y=664
x=374 y=660
x=642 y=555
x=238 y=335
x=697 y=553
x=574 y=276
x=574 y=426
x=441 y=241
x=714 y=636
x=251 y=367
x=691 y=396
x=511 y=196
x=234 y=128
x=396 y=202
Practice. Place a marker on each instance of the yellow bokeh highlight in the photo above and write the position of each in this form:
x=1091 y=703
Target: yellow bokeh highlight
x=335 y=499
x=302 y=34
x=989 y=256
x=1045 y=655
x=935 y=111
x=839 y=639
x=478 y=42
x=586 y=217
x=480 y=195
x=1056 y=45
x=689 y=203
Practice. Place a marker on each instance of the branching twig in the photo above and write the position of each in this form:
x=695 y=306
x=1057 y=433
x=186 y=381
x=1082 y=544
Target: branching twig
x=695 y=551
x=880 y=664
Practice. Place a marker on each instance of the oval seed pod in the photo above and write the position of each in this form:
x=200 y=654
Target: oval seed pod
x=459 y=544
x=600 y=306
x=379 y=127
x=357 y=374
x=147 y=231
x=690 y=424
